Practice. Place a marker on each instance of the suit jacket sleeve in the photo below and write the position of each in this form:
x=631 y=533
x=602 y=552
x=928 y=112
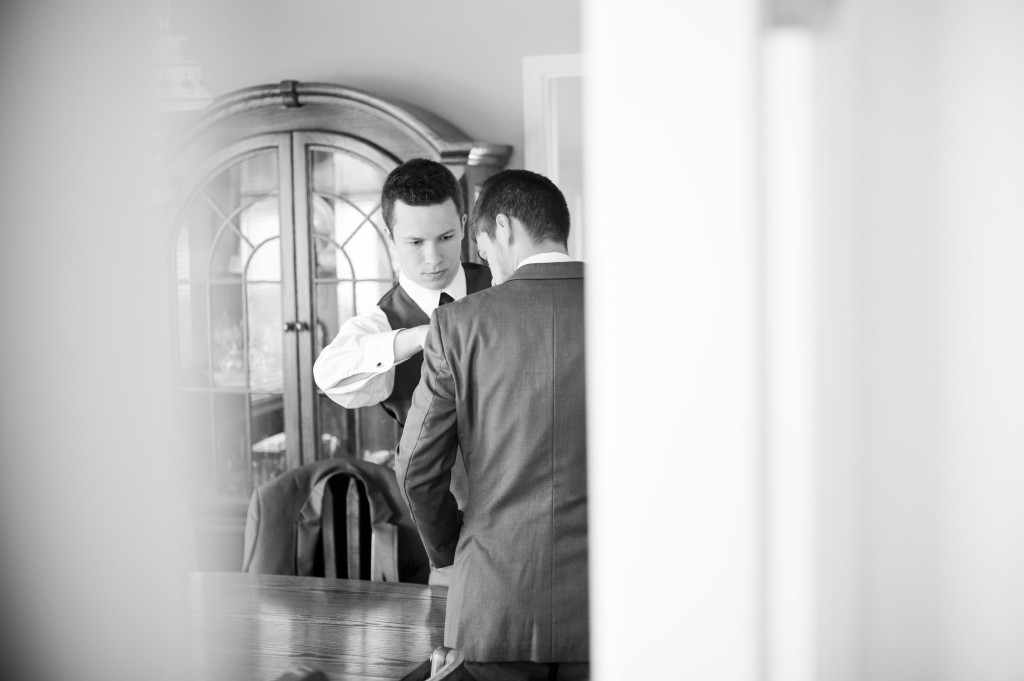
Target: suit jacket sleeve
x=427 y=453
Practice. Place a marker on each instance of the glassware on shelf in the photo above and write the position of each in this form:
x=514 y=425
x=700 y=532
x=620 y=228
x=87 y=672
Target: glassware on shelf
x=328 y=445
x=268 y=459
x=229 y=369
x=384 y=457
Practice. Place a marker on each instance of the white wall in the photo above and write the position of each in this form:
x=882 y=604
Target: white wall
x=923 y=325
x=461 y=59
x=919 y=325
x=879 y=329
x=980 y=138
x=87 y=550
x=672 y=339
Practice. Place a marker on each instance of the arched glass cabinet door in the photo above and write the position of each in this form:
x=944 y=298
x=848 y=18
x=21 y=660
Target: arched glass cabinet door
x=350 y=264
x=276 y=240
x=234 y=275
x=260 y=295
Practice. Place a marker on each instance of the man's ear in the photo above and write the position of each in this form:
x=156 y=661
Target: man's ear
x=463 y=232
x=503 y=230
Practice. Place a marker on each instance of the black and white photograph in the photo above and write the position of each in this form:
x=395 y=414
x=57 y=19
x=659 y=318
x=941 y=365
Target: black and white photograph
x=407 y=340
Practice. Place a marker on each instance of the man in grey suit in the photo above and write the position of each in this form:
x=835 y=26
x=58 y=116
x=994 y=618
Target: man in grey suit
x=503 y=378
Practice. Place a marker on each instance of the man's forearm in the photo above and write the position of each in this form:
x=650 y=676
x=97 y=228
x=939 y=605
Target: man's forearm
x=437 y=518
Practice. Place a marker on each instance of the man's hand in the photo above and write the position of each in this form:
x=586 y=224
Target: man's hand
x=410 y=341
x=440 y=576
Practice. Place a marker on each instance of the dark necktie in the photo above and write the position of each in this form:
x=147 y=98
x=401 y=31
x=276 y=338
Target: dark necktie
x=444 y=299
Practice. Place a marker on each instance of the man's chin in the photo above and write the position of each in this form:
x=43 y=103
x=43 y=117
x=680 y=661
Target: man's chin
x=435 y=283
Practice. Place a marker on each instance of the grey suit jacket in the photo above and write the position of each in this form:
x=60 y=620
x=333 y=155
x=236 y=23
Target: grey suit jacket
x=283 y=527
x=503 y=377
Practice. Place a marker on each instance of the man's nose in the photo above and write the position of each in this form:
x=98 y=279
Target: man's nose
x=431 y=253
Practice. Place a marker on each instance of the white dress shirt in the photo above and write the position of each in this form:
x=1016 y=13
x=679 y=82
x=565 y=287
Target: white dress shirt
x=357 y=368
x=550 y=256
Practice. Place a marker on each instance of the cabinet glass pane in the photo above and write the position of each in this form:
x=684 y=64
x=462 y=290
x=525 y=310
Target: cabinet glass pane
x=355 y=433
x=336 y=427
x=231 y=455
x=229 y=266
x=335 y=303
x=370 y=254
x=256 y=224
x=268 y=437
x=228 y=218
x=265 y=262
x=227 y=334
x=347 y=226
x=354 y=265
x=358 y=431
x=338 y=302
x=377 y=431
x=369 y=293
x=266 y=350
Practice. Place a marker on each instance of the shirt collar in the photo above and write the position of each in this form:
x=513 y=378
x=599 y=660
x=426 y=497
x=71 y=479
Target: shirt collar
x=550 y=256
x=427 y=298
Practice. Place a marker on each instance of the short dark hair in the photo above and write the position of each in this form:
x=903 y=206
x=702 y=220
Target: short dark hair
x=419 y=182
x=529 y=197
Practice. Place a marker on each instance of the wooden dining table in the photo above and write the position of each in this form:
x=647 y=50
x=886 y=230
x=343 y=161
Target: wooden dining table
x=255 y=627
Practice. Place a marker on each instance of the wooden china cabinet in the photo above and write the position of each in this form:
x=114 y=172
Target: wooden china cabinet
x=276 y=238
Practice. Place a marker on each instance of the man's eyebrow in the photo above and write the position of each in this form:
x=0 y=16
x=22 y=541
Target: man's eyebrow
x=419 y=237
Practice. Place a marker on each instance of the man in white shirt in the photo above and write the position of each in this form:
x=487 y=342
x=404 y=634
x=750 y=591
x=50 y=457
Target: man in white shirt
x=376 y=356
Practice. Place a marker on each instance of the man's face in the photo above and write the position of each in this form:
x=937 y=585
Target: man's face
x=429 y=242
x=497 y=257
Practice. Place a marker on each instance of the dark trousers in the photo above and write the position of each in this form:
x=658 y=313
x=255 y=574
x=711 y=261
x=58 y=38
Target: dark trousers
x=509 y=671
x=527 y=671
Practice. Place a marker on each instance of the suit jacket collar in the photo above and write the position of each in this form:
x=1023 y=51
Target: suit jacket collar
x=549 y=270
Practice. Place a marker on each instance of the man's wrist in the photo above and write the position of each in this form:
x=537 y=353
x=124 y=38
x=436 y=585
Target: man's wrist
x=422 y=332
x=410 y=341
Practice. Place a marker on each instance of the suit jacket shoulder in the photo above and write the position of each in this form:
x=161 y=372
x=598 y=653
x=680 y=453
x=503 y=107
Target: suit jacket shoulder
x=480 y=302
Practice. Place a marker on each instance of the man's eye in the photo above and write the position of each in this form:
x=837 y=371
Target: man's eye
x=414 y=243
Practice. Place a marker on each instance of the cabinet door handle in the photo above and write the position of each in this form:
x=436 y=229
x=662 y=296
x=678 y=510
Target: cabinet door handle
x=289 y=327
x=301 y=326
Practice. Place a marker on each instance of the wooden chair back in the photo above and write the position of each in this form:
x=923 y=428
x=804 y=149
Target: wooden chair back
x=354 y=546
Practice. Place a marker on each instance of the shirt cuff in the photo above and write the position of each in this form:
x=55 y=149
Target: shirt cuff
x=379 y=352
x=378 y=358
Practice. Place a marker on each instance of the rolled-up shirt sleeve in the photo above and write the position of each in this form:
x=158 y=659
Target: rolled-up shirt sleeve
x=357 y=368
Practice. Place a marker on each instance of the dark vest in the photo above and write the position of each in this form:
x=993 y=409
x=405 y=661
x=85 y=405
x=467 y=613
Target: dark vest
x=403 y=313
